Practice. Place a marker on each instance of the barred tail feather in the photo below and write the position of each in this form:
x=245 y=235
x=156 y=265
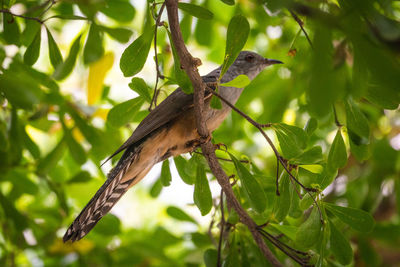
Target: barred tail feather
x=104 y=199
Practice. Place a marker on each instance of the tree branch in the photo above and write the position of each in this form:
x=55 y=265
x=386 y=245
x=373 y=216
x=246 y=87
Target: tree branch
x=21 y=16
x=189 y=64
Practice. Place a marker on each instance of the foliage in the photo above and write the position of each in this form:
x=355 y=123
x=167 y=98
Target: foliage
x=332 y=109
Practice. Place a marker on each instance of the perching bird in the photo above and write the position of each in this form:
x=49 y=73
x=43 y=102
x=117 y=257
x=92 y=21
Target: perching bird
x=169 y=130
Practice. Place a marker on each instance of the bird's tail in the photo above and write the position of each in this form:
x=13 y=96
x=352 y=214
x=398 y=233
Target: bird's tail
x=104 y=199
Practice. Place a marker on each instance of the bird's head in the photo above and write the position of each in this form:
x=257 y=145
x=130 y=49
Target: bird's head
x=251 y=64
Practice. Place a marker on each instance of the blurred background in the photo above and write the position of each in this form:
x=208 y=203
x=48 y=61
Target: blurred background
x=62 y=96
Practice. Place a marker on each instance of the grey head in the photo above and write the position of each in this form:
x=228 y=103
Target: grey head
x=250 y=64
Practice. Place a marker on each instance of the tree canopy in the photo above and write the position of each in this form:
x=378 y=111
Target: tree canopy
x=311 y=149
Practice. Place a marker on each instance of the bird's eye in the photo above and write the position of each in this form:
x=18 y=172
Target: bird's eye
x=249 y=58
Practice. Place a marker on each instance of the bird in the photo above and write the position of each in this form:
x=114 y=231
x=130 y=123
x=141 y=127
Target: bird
x=168 y=130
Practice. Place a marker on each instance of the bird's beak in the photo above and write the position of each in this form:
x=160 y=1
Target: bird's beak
x=272 y=61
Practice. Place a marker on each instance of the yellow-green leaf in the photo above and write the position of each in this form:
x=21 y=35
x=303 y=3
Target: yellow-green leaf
x=97 y=74
x=314 y=168
x=240 y=81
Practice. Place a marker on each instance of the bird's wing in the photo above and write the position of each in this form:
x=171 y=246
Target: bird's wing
x=173 y=106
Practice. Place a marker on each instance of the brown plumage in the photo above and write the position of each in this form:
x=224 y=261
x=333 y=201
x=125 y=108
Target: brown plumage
x=169 y=130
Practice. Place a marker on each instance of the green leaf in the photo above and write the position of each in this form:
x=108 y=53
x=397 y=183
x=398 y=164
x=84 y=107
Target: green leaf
x=30 y=31
x=51 y=159
x=215 y=102
x=229 y=2
x=238 y=31
x=292 y=139
x=139 y=86
x=179 y=214
x=340 y=246
x=15 y=153
x=309 y=156
x=76 y=150
x=288 y=230
x=240 y=81
x=186 y=27
x=323 y=89
x=210 y=257
x=93 y=49
x=124 y=112
x=360 y=151
x=18 y=220
x=283 y=201
x=309 y=232
x=32 y=52
x=80 y=177
x=4 y=142
x=200 y=240
x=156 y=188
x=196 y=11
x=54 y=52
x=20 y=89
x=357 y=219
x=311 y=126
x=65 y=68
x=356 y=123
x=180 y=164
x=29 y=144
x=122 y=35
x=255 y=192
x=165 y=173
x=135 y=55
x=109 y=225
x=202 y=194
x=204 y=32
x=11 y=33
x=337 y=157
x=119 y=10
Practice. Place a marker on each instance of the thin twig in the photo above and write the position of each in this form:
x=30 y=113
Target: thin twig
x=222 y=223
x=224 y=159
x=301 y=24
x=190 y=64
x=289 y=251
x=277 y=177
x=47 y=9
x=159 y=75
x=20 y=16
x=337 y=122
